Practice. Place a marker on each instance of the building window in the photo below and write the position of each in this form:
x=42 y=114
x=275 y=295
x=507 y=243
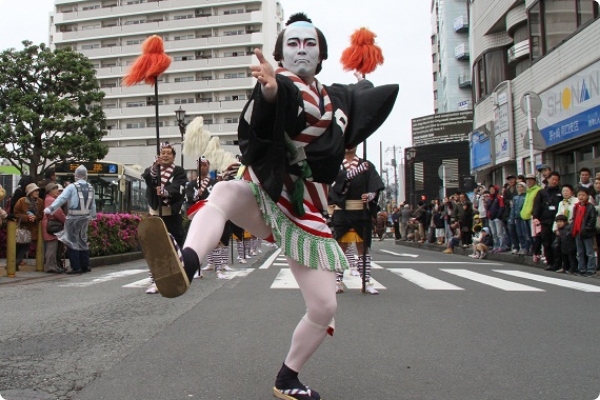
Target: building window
x=234 y=33
x=435 y=94
x=435 y=76
x=186 y=16
x=551 y=22
x=434 y=57
x=135 y=22
x=183 y=58
x=489 y=70
x=94 y=7
x=90 y=46
x=184 y=37
x=184 y=101
x=185 y=79
x=237 y=11
x=141 y=103
x=432 y=39
x=135 y=125
x=231 y=120
x=134 y=42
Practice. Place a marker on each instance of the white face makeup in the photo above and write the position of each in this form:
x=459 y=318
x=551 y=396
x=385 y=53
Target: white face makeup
x=301 y=50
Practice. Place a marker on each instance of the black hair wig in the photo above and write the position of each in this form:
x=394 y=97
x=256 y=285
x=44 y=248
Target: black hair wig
x=278 y=53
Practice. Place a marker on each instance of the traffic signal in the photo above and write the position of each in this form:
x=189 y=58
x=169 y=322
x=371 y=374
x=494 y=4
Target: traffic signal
x=423 y=197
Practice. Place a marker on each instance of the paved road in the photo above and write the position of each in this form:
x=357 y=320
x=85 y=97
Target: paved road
x=444 y=327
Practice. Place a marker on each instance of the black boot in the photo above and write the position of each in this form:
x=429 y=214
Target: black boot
x=191 y=263
x=288 y=386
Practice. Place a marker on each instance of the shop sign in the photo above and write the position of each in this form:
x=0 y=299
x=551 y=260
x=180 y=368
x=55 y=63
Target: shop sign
x=572 y=108
x=480 y=148
x=503 y=127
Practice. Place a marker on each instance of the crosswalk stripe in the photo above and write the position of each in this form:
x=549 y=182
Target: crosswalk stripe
x=440 y=262
x=425 y=281
x=105 y=278
x=584 y=287
x=375 y=266
x=138 y=284
x=285 y=280
x=269 y=260
x=491 y=281
x=355 y=282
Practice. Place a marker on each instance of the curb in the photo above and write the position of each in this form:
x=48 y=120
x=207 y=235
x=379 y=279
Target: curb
x=28 y=272
x=459 y=251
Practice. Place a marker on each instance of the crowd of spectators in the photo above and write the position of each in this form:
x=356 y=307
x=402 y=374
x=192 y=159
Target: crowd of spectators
x=551 y=221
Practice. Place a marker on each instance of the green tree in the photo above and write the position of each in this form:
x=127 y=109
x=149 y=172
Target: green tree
x=50 y=108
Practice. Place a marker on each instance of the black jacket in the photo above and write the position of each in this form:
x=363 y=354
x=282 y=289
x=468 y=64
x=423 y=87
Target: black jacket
x=567 y=241
x=545 y=204
x=358 y=111
x=175 y=188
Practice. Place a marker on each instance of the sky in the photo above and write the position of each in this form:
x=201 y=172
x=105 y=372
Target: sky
x=403 y=33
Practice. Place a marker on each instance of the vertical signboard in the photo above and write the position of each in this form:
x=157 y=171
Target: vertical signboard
x=481 y=148
x=503 y=123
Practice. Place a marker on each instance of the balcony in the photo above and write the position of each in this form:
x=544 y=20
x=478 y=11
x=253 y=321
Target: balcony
x=168 y=110
x=130 y=9
x=464 y=81
x=518 y=51
x=461 y=52
x=208 y=64
x=166 y=132
x=150 y=28
x=461 y=24
x=179 y=87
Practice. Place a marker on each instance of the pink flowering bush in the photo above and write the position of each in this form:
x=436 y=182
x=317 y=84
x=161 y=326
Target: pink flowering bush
x=109 y=234
x=113 y=234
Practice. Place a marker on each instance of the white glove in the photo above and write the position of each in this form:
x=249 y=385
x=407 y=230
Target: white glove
x=47 y=211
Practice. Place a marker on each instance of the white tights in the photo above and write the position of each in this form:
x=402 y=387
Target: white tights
x=234 y=200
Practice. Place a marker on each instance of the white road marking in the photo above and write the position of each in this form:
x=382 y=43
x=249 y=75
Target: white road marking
x=139 y=284
x=355 y=282
x=105 y=278
x=285 y=280
x=423 y=280
x=270 y=260
x=241 y=273
x=399 y=254
x=584 y=287
x=375 y=266
x=440 y=262
x=491 y=281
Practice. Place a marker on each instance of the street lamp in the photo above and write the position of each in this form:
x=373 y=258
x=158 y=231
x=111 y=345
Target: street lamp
x=180 y=115
x=409 y=155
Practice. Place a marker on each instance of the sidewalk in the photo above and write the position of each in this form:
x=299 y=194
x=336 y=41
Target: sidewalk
x=459 y=251
x=28 y=272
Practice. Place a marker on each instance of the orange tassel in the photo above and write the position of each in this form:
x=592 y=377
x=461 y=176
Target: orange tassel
x=363 y=55
x=150 y=65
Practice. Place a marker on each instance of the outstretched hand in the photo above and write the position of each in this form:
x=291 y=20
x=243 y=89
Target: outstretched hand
x=265 y=74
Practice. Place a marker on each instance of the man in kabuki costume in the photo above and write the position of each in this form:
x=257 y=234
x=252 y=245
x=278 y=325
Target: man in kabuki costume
x=292 y=134
x=355 y=194
x=165 y=185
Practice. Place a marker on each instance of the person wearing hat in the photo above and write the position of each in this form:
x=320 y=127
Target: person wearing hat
x=52 y=252
x=28 y=212
x=544 y=171
x=527 y=210
x=3 y=214
x=81 y=209
x=482 y=243
x=523 y=237
x=566 y=249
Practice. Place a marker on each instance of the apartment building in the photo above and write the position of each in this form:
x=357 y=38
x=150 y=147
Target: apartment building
x=450 y=56
x=547 y=51
x=211 y=43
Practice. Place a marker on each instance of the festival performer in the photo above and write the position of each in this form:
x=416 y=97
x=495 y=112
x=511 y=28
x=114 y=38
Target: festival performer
x=292 y=135
x=199 y=189
x=358 y=185
x=165 y=196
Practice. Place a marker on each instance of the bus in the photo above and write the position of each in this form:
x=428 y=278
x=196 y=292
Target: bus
x=118 y=188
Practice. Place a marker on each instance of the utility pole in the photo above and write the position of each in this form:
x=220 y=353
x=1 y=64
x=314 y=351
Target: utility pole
x=394 y=164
